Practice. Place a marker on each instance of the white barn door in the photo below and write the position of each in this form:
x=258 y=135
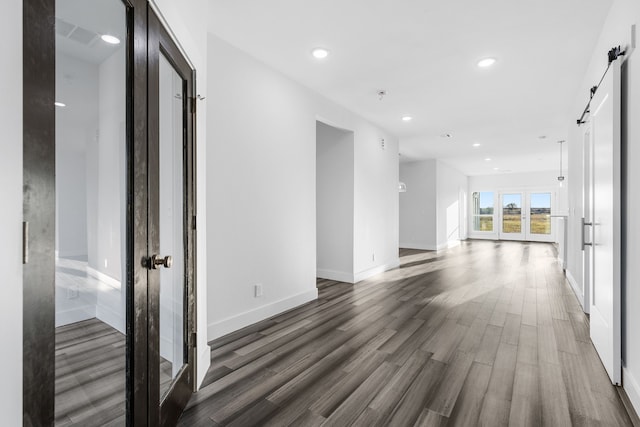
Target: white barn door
x=606 y=229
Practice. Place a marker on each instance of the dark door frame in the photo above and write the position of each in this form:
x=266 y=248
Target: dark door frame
x=39 y=217
x=161 y=43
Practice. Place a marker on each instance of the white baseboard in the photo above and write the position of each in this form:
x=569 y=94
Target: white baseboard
x=71 y=254
x=166 y=348
x=204 y=361
x=488 y=236
x=365 y=274
x=110 y=317
x=419 y=246
x=632 y=388
x=576 y=288
x=339 y=276
x=74 y=315
x=106 y=279
x=239 y=321
x=449 y=244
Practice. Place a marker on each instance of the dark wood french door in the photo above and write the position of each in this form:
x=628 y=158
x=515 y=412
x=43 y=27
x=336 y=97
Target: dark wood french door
x=142 y=102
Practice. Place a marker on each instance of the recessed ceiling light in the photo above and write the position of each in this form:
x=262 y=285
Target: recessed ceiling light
x=59 y=104
x=407 y=118
x=486 y=62
x=107 y=38
x=488 y=159
x=320 y=53
x=476 y=145
x=496 y=169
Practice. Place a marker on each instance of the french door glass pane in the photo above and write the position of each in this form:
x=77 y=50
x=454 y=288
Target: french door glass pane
x=90 y=281
x=172 y=222
x=482 y=210
x=511 y=213
x=540 y=213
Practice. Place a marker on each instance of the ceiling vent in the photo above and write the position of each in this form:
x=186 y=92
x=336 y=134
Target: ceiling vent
x=75 y=33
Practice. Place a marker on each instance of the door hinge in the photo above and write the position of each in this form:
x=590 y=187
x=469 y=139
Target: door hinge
x=193 y=104
x=194 y=222
x=194 y=339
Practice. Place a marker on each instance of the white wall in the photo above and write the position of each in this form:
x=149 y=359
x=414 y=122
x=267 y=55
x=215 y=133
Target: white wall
x=418 y=212
x=187 y=22
x=431 y=211
x=376 y=213
x=616 y=31
x=11 y=213
x=451 y=184
x=261 y=190
x=76 y=124
x=334 y=203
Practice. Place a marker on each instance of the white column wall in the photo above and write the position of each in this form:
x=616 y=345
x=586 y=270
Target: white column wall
x=450 y=183
x=11 y=213
x=418 y=206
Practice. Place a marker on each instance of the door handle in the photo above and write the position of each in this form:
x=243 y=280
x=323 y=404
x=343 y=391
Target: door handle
x=583 y=234
x=25 y=242
x=157 y=261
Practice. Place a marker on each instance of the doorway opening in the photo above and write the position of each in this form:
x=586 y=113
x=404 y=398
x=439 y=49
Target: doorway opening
x=334 y=203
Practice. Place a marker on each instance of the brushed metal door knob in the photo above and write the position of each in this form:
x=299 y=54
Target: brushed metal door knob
x=157 y=261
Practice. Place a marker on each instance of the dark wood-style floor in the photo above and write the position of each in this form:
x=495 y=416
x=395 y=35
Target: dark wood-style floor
x=90 y=375
x=488 y=333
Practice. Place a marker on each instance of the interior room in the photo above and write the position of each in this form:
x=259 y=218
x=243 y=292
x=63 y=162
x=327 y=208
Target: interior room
x=298 y=213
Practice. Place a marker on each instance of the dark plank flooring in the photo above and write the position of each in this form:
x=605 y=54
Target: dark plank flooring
x=488 y=334
x=90 y=375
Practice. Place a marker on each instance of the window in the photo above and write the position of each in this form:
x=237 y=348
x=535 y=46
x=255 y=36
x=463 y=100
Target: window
x=540 y=213
x=482 y=211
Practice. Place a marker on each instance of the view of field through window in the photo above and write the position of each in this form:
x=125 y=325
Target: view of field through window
x=512 y=213
x=539 y=212
x=482 y=211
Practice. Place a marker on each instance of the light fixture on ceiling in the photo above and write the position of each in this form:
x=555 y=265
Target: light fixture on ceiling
x=108 y=38
x=496 y=169
x=560 y=177
x=402 y=187
x=407 y=118
x=476 y=145
x=59 y=104
x=320 y=53
x=446 y=135
x=486 y=62
x=488 y=159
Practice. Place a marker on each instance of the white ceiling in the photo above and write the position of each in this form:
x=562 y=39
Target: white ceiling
x=424 y=54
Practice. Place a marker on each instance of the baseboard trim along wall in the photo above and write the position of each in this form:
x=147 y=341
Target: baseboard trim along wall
x=419 y=246
x=339 y=276
x=632 y=388
x=365 y=274
x=239 y=321
x=75 y=315
x=107 y=280
x=204 y=361
x=576 y=288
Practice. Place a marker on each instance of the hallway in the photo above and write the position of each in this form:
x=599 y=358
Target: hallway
x=487 y=333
